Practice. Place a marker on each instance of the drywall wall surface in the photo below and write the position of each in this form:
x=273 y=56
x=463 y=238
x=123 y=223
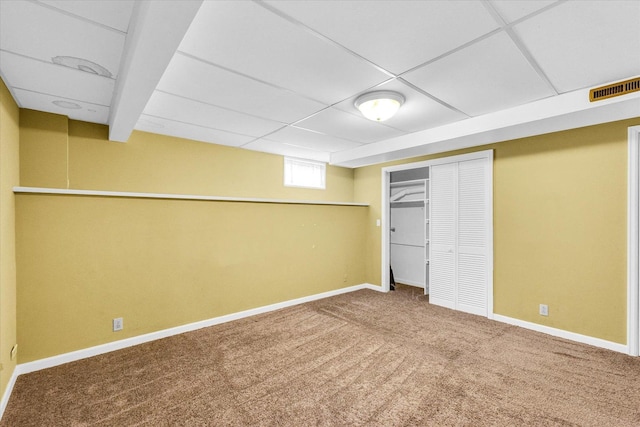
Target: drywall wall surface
x=156 y=163
x=9 y=177
x=560 y=224
x=559 y=227
x=44 y=147
x=83 y=261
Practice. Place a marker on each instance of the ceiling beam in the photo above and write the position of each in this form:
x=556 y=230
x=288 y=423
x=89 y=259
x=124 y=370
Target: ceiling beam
x=558 y=113
x=155 y=32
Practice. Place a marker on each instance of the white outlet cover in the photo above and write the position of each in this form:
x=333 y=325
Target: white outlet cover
x=544 y=309
x=117 y=324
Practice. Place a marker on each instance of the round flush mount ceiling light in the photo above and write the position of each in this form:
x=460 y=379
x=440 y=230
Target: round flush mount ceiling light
x=67 y=104
x=82 y=65
x=379 y=105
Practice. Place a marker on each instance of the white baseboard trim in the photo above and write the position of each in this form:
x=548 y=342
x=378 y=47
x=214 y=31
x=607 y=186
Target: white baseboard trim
x=50 y=362
x=572 y=336
x=373 y=287
x=61 y=359
x=8 y=391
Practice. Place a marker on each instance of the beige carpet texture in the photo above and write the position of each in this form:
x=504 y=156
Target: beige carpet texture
x=358 y=359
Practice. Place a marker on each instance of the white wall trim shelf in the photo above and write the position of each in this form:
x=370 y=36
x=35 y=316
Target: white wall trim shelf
x=126 y=194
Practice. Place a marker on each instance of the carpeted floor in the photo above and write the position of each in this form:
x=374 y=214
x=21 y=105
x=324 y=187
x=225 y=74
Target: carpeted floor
x=364 y=358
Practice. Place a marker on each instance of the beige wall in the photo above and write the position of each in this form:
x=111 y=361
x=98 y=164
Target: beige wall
x=9 y=177
x=83 y=261
x=559 y=228
x=559 y=233
x=155 y=164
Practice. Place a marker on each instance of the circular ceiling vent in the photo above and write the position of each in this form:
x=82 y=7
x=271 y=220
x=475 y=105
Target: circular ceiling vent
x=67 y=104
x=82 y=65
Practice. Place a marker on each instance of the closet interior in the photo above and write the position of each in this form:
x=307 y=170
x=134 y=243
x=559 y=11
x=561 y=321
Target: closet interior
x=409 y=227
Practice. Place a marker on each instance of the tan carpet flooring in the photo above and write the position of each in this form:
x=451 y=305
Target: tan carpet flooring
x=364 y=358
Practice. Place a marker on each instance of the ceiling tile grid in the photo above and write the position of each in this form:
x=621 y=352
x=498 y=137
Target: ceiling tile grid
x=197 y=113
x=587 y=43
x=417 y=113
x=282 y=149
x=73 y=108
x=162 y=126
x=113 y=14
x=48 y=78
x=487 y=76
x=513 y=10
x=194 y=79
x=51 y=33
x=300 y=137
x=282 y=76
x=247 y=38
x=34 y=38
x=397 y=36
x=333 y=121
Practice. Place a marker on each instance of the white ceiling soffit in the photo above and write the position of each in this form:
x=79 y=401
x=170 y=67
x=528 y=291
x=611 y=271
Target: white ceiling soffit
x=155 y=31
x=567 y=111
x=282 y=76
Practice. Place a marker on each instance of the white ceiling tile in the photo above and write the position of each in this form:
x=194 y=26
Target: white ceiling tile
x=114 y=14
x=281 y=149
x=417 y=113
x=335 y=122
x=396 y=35
x=305 y=138
x=87 y=112
x=512 y=10
x=194 y=79
x=245 y=37
x=193 y=112
x=40 y=32
x=585 y=43
x=487 y=76
x=56 y=80
x=194 y=132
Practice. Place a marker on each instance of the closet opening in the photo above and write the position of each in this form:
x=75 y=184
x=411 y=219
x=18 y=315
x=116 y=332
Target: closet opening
x=437 y=230
x=409 y=228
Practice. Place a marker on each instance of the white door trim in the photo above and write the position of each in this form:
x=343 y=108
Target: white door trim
x=385 y=214
x=633 y=242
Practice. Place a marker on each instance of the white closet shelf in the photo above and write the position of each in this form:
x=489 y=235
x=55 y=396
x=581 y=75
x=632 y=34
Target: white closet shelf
x=134 y=195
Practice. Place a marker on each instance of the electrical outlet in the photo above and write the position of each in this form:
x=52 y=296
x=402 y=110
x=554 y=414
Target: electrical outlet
x=117 y=324
x=544 y=310
x=14 y=352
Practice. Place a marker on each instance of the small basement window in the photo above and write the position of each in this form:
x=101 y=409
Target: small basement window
x=304 y=173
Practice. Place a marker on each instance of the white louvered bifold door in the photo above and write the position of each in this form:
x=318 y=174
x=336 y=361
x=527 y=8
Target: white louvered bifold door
x=472 y=271
x=442 y=278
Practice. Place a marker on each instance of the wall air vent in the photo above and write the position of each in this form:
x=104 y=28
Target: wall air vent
x=615 y=89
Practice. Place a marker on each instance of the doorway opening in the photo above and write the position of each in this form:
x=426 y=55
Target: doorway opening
x=633 y=249
x=409 y=228
x=437 y=230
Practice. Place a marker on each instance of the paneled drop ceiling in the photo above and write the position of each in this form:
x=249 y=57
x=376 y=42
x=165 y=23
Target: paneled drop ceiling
x=281 y=76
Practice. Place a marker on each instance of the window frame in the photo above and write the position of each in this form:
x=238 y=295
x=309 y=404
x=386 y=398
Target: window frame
x=294 y=160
